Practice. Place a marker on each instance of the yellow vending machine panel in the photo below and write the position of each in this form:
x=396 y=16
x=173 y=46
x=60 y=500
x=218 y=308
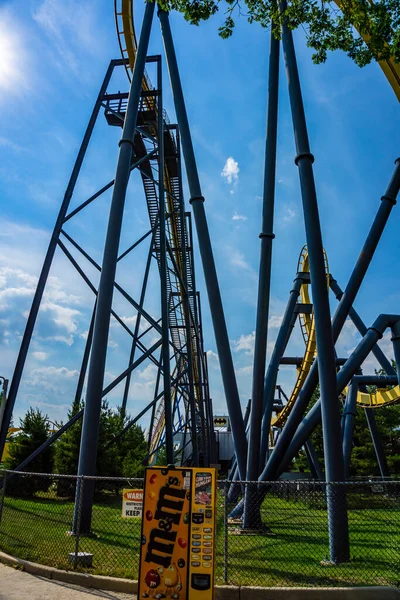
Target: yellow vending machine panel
x=202 y=535
x=165 y=534
x=178 y=534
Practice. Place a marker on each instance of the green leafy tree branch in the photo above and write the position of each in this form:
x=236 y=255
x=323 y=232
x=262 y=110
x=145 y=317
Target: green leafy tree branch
x=328 y=24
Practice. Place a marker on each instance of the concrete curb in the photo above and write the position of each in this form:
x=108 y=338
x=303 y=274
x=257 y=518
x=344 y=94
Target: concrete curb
x=222 y=592
x=343 y=593
x=98 y=582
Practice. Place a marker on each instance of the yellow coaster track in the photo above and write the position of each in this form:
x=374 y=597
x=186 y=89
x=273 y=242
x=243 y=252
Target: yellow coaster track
x=308 y=331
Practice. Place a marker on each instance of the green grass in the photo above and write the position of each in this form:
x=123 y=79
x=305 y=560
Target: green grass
x=36 y=529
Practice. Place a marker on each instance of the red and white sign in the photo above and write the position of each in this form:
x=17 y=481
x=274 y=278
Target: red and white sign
x=132 y=504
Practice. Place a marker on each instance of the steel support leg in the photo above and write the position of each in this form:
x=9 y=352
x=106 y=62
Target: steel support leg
x=396 y=346
x=349 y=414
x=337 y=510
x=169 y=438
x=90 y=429
x=313 y=461
x=251 y=516
x=289 y=319
x=210 y=274
x=26 y=340
x=377 y=442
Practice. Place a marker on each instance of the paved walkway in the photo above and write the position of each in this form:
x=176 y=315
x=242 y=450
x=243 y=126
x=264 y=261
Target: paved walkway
x=17 y=585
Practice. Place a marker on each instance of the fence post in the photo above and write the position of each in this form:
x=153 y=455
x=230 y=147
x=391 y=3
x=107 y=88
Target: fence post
x=226 y=513
x=79 y=484
x=3 y=494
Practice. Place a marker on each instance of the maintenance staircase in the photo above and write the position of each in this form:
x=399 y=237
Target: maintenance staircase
x=178 y=234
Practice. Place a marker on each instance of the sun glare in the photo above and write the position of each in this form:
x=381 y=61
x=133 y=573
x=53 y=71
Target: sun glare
x=11 y=63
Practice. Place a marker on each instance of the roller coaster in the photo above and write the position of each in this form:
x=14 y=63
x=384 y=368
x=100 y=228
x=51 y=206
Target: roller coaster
x=181 y=416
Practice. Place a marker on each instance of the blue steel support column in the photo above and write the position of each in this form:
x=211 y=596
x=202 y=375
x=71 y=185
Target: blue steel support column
x=234 y=490
x=169 y=437
x=349 y=413
x=90 y=429
x=377 y=442
x=337 y=510
x=289 y=319
x=396 y=346
x=313 y=461
x=251 y=517
x=388 y=200
x=26 y=340
x=210 y=274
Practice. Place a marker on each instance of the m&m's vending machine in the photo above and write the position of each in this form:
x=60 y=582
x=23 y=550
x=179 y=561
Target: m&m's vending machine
x=177 y=552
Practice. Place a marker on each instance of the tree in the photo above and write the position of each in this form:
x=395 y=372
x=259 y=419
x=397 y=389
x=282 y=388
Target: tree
x=161 y=457
x=34 y=432
x=300 y=463
x=121 y=459
x=67 y=453
x=130 y=450
x=327 y=27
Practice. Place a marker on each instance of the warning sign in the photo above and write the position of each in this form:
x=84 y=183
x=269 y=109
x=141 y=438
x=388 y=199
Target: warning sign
x=132 y=504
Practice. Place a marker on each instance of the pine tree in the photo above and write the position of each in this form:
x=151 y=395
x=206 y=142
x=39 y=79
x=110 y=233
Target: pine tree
x=121 y=459
x=34 y=432
x=67 y=453
x=127 y=454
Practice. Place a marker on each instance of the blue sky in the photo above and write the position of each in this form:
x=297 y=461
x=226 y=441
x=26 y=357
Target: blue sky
x=53 y=56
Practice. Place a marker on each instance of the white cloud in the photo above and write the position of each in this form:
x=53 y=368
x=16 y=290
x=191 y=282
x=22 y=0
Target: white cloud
x=245 y=343
x=231 y=170
x=62 y=316
x=237 y=217
x=245 y=370
x=212 y=359
x=40 y=355
x=12 y=293
x=64 y=339
x=52 y=379
x=17 y=287
x=237 y=259
x=289 y=214
x=275 y=322
x=149 y=373
x=129 y=320
x=9 y=144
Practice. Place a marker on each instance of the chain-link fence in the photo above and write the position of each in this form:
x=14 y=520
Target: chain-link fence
x=285 y=542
